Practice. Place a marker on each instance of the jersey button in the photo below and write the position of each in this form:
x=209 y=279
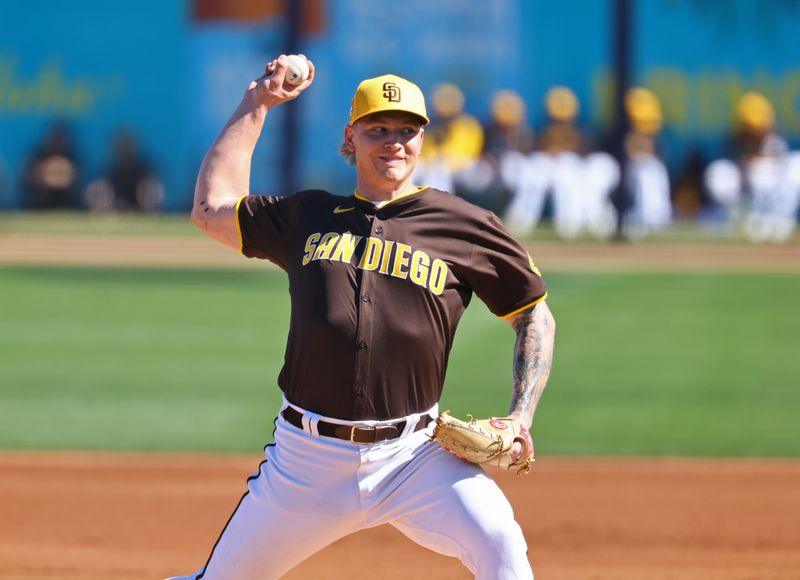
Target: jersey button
x=379 y=230
x=366 y=298
x=363 y=344
x=358 y=390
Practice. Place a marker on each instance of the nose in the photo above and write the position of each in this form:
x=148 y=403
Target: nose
x=393 y=140
x=393 y=144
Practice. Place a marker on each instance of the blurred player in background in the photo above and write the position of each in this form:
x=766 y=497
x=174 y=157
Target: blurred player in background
x=552 y=172
x=647 y=180
x=129 y=184
x=453 y=142
x=52 y=177
x=508 y=130
x=509 y=139
x=760 y=186
x=561 y=168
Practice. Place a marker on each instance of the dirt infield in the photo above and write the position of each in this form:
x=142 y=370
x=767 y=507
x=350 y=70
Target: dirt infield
x=90 y=516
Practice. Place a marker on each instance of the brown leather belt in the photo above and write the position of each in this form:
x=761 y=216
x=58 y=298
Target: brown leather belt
x=355 y=434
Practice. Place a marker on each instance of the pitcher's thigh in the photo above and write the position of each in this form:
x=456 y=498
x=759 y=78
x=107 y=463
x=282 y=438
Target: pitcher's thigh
x=460 y=511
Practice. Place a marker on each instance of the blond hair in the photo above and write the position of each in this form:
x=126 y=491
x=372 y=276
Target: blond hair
x=347 y=153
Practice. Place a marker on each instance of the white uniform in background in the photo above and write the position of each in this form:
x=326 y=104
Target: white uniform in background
x=528 y=177
x=764 y=196
x=601 y=178
x=774 y=184
x=581 y=189
x=569 y=194
x=648 y=184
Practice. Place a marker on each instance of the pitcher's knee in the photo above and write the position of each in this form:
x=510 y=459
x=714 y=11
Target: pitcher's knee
x=499 y=552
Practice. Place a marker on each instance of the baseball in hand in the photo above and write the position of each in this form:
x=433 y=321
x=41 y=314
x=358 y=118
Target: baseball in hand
x=297 y=70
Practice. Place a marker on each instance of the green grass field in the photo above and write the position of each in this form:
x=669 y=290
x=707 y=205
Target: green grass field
x=155 y=359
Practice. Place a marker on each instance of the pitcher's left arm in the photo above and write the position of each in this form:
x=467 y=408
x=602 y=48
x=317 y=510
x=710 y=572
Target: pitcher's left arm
x=533 y=358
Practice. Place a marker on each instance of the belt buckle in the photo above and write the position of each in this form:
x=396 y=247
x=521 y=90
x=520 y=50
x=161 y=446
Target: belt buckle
x=376 y=431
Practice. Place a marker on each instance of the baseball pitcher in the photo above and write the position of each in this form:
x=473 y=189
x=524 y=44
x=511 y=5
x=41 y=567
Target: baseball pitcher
x=378 y=282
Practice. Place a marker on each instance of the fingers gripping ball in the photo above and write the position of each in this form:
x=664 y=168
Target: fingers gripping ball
x=485 y=441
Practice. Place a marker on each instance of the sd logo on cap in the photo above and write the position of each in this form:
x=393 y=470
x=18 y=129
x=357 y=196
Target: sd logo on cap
x=388 y=93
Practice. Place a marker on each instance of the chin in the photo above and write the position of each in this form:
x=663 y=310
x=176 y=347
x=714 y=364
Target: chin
x=397 y=175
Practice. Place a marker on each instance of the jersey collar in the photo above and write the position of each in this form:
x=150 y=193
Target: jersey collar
x=397 y=201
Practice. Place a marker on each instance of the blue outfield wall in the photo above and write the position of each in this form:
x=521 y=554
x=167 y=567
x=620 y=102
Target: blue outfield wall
x=100 y=67
x=103 y=66
x=699 y=57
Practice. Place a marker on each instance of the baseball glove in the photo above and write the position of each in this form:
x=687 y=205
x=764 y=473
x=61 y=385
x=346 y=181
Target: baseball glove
x=485 y=441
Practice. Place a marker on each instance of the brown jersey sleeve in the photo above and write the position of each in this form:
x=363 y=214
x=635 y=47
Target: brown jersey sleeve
x=502 y=272
x=265 y=222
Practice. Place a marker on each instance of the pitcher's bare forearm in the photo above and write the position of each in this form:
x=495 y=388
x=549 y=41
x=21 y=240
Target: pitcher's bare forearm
x=533 y=358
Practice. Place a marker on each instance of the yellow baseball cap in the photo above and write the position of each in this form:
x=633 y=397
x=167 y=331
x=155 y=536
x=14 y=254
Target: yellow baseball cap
x=755 y=111
x=562 y=104
x=388 y=93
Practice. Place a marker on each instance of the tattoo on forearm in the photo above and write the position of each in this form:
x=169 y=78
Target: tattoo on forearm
x=533 y=358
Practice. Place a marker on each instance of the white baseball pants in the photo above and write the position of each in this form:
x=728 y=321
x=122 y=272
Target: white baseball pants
x=313 y=490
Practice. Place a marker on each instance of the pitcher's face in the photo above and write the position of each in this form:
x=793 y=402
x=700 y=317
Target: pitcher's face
x=386 y=146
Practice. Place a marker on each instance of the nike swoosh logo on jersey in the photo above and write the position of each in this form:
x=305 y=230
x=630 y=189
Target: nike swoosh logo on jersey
x=340 y=209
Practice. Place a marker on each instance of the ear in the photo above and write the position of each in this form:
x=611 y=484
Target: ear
x=348 y=139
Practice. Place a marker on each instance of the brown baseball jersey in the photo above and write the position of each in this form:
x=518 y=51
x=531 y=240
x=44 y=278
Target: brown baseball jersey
x=377 y=292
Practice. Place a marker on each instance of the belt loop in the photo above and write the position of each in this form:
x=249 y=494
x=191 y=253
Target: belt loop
x=411 y=424
x=310 y=421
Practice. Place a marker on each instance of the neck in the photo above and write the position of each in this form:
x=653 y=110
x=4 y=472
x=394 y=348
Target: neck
x=386 y=191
